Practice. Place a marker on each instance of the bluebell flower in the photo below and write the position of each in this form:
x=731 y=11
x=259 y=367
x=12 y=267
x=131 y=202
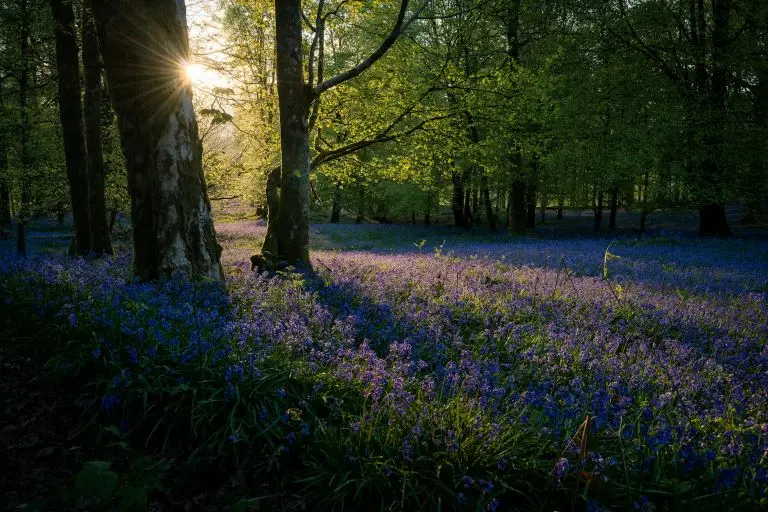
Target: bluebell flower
x=109 y=401
x=561 y=468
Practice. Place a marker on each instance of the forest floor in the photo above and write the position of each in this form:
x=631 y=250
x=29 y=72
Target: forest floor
x=432 y=305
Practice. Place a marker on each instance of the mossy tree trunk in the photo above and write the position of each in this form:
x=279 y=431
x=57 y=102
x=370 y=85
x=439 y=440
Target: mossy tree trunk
x=144 y=46
x=296 y=97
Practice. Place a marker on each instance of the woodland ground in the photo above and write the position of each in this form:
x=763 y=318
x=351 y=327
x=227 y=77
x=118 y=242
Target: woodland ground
x=417 y=368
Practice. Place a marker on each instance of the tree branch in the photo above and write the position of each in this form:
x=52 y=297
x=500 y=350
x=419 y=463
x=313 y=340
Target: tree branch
x=367 y=63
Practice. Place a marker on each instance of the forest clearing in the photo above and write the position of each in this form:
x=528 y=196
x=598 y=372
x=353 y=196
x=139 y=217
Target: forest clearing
x=518 y=372
x=403 y=255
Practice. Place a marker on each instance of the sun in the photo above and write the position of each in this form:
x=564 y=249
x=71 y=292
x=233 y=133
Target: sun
x=197 y=74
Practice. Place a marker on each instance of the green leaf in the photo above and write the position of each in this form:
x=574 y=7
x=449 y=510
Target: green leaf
x=96 y=480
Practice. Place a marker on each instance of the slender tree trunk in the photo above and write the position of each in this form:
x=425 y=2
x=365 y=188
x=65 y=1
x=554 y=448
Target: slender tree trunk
x=712 y=217
x=614 y=207
x=543 y=209
x=644 y=212
x=467 y=209
x=530 y=221
x=485 y=196
x=71 y=116
x=97 y=206
x=560 y=207
x=475 y=202
x=144 y=45
x=458 y=199
x=517 y=220
x=112 y=220
x=25 y=28
x=428 y=210
x=336 y=209
x=294 y=98
x=360 y=205
x=5 y=189
x=599 y=212
x=757 y=176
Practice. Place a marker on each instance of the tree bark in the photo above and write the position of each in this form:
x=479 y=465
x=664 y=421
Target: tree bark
x=25 y=29
x=485 y=196
x=360 y=205
x=614 y=207
x=336 y=209
x=71 y=116
x=458 y=199
x=467 y=209
x=97 y=206
x=560 y=207
x=517 y=217
x=530 y=221
x=144 y=46
x=644 y=212
x=269 y=248
x=5 y=189
x=598 y=209
x=294 y=100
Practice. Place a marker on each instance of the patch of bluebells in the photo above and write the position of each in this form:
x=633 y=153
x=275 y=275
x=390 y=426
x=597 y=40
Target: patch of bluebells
x=506 y=335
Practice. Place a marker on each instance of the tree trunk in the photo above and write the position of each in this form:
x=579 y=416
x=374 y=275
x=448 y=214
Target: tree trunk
x=475 y=202
x=144 y=44
x=5 y=189
x=294 y=99
x=644 y=211
x=97 y=206
x=458 y=199
x=713 y=221
x=530 y=221
x=614 y=207
x=517 y=217
x=25 y=29
x=71 y=116
x=755 y=185
x=336 y=209
x=269 y=247
x=467 y=209
x=485 y=196
x=712 y=218
x=428 y=210
x=560 y=208
x=360 y=205
x=599 y=212
x=112 y=220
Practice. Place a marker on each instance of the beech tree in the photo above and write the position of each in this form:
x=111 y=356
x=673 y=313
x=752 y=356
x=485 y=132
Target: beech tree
x=144 y=47
x=298 y=103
